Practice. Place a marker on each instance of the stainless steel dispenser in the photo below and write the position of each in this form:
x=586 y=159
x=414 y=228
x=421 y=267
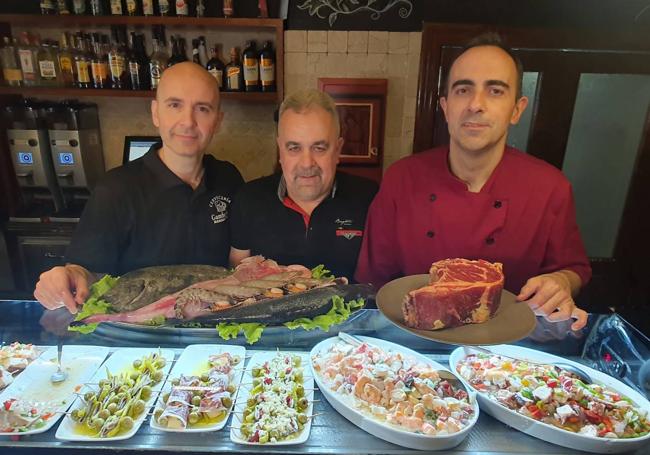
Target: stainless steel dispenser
x=76 y=149
x=29 y=146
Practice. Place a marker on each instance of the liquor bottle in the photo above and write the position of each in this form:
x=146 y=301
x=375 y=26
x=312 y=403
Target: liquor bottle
x=48 y=7
x=28 y=61
x=147 y=7
x=157 y=62
x=195 y=52
x=234 y=73
x=82 y=63
x=99 y=63
x=79 y=7
x=203 y=56
x=98 y=7
x=267 y=67
x=200 y=8
x=117 y=63
x=62 y=7
x=263 y=7
x=182 y=9
x=48 y=65
x=116 y=8
x=132 y=8
x=228 y=8
x=178 y=51
x=163 y=7
x=139 y=64
x=11 y=71
x=251 y=67
x=215 y=66
x=66 y=61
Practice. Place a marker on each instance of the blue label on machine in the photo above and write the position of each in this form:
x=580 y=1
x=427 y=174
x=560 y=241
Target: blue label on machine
x=25 y=158
x=66 y=158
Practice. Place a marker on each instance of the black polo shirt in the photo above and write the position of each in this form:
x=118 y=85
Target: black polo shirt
x=262 y=223
x=142 y=214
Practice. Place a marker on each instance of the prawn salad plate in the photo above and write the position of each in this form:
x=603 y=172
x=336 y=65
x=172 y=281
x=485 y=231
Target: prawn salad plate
x=115 y=402
x=201 y=389
x=32 y=403
x=394 y=393
x=275 y=403
x=538 y=398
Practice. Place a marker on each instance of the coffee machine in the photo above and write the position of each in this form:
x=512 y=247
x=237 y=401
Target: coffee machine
x=29 y=146
x=76 y=148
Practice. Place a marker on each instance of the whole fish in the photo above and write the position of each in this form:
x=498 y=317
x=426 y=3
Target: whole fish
x=144 y=286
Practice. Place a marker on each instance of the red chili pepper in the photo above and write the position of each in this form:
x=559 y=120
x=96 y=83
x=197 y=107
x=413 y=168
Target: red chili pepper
x=535 y=412
x=268 y=381
x=592 y=416
x=552 y=383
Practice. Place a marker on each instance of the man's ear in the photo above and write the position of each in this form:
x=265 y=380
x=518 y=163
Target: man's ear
x=443 y=104
x=520 y=107
x=154 y=113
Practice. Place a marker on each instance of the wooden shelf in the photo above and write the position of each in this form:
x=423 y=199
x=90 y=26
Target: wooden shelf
x=253 y=97
x=88 y=21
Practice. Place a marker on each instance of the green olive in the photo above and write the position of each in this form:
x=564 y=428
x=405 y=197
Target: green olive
x=176 y=381
x=160 y=362
x=194 y=417
x=137 y=408
x=163 y=421
x=256 y=372
x=89 y=396
x=196 y=400
x=145 y=393
x=112 y=407
x=205 y=377
x=235 y=359
x=104 y=414
x=303 y=403
x=137 y=364
x=126 y=423
x=103 y=382
x=231 y=389
x=165 y=397
x=157 y=376
x=226 y=401
x=296 y=360
x=134 y=376
x=157 y=413
x=77 y=414
x=97 y=423
x=302 y=418
x=300 y=390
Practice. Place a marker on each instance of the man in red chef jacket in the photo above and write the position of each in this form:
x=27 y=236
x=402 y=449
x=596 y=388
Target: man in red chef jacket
x=479 y=198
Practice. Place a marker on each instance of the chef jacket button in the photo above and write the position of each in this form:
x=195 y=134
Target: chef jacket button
x=432 y=197
x=430 y=234
x=497 y=204
x=489 y=240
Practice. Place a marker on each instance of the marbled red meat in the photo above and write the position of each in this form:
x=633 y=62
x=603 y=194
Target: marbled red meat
x=460 y=292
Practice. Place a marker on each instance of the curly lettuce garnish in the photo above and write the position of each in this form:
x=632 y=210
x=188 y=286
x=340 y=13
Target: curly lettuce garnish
x=321 y=273
x=94 y=304
x=339 y=313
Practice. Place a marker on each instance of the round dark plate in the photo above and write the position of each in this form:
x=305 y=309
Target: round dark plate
x=512 y=321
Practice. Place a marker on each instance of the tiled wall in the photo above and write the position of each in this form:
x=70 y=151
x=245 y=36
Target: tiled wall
x=391 y=55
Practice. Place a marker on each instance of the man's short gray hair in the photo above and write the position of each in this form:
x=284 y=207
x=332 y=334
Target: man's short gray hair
x=303 y=100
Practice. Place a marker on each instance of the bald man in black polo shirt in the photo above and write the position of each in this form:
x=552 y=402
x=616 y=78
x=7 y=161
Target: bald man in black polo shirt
x=169 y=207
x=309 y=214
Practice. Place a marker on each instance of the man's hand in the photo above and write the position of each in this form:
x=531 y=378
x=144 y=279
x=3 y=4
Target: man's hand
x=550 y=295
x=64 y=286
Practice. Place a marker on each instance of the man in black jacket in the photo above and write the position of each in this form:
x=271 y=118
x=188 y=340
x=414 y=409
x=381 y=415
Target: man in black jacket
x=172 y=206
x=308 y=214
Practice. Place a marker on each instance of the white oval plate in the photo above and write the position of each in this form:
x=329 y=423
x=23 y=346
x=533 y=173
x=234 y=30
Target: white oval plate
x=119 y=361
x=33 y=384
x=382 y=430
x=549 y=432
x=240 y=405
x=194 y=361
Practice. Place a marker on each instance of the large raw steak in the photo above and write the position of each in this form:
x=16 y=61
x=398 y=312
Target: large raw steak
x=460 y=292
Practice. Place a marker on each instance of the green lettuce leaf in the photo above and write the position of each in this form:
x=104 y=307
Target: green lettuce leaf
x=252 y=330
x=320 y=272
x=94 y=304
x=339 y=313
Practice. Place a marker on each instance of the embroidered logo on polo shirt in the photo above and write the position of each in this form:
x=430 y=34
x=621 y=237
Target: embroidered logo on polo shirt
x=342 y=223
x=349 y=233
x=220 y=205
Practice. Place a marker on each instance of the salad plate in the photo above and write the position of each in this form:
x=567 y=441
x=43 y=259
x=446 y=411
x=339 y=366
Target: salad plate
x=546 y=402
x=281 y=400
x=32 y=404
x=387 y=419
x=121 y=364
x=194 y=362
x=512 y=321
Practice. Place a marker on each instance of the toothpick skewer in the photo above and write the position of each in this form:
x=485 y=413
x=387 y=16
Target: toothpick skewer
x=308 y=417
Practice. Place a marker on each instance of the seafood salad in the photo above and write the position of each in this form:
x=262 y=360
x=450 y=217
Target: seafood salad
x=15 y=358
x=19 y=416
x=199 y=400
x=276 y=407
x=551 y=395
x=393 y=388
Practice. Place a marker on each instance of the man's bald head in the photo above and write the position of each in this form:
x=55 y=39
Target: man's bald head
x=185 y=74
x=186 y=109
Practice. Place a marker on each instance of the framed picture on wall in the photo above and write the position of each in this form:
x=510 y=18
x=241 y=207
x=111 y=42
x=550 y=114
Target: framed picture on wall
x=361 y=107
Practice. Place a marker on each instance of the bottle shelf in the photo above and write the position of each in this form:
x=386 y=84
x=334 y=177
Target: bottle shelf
x=253 y=97
x=88 y=21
